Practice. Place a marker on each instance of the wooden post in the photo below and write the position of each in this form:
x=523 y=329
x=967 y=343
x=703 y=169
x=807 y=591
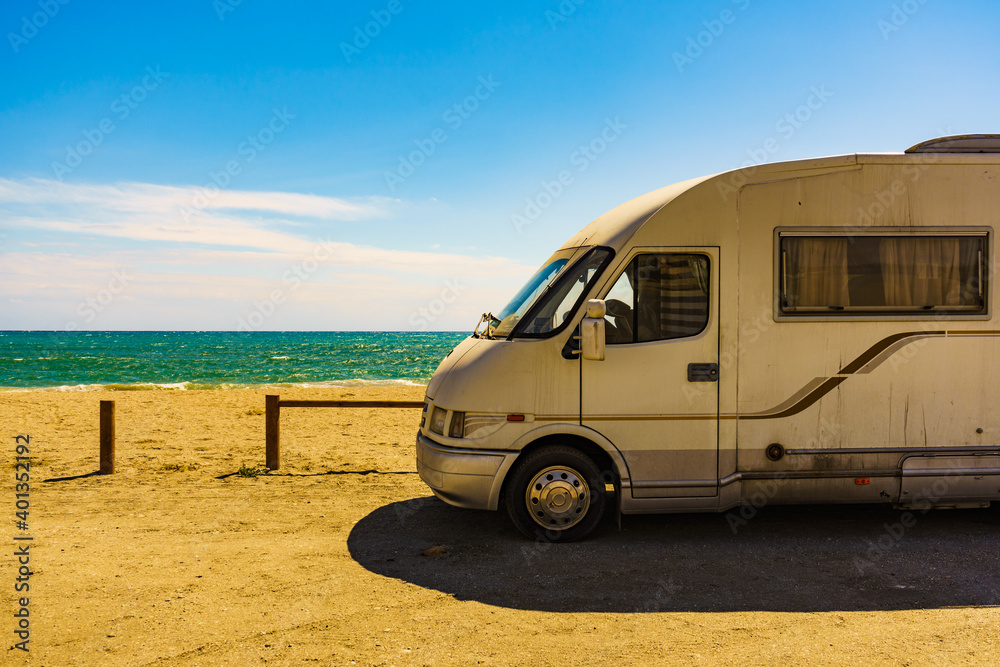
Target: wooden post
x=107 y=437
x=272 y=413
x=272 y=418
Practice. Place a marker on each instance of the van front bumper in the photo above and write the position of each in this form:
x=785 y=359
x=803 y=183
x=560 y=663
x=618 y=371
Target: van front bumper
x=468 y=478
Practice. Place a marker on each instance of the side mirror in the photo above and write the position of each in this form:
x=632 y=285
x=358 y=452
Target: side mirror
x=592 y=331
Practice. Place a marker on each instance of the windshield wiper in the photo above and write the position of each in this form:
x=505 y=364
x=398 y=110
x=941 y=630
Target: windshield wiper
x=491 y=322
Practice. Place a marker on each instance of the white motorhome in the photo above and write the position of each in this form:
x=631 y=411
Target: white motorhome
x=815 y=331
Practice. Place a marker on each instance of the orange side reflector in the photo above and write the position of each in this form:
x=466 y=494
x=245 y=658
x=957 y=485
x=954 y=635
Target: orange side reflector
x=862 y=481
x=515 y=418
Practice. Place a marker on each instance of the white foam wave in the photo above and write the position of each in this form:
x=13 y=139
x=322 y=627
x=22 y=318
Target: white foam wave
x=193 y=386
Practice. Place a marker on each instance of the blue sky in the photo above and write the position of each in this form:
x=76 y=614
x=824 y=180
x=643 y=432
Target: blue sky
x=214 y=165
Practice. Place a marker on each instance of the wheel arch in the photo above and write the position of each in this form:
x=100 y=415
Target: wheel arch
x=588 y=441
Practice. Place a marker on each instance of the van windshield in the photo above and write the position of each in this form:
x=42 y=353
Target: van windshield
x=556 y=293
x=528 y=294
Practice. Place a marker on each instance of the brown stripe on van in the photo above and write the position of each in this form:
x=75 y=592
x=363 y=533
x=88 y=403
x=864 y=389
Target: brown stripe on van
x=880 y=347
x=818 y=393
x=810 y=387
x=892 y=349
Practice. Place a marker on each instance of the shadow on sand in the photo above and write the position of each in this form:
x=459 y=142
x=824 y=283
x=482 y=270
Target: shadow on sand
x=792 y=559
x=362 y=473
x=85 y=475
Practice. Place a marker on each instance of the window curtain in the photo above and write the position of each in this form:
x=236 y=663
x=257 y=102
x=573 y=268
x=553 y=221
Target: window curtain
x=925 y=271
x=673 y=296
x=648 y=281
x=816 y=271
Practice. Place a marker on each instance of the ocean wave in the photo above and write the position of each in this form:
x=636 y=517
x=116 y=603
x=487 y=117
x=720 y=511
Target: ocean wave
x=137 y=386
x=196 y=386
x=352 y=383
x=118 y=386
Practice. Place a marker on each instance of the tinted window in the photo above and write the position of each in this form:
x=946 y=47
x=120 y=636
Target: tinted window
x=884 y=274
x=659 y=297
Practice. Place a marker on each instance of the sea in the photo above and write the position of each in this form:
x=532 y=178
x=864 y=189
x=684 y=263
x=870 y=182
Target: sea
x=192 y=360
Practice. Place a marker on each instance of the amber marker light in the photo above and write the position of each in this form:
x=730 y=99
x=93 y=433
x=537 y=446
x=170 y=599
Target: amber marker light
x=457 y=429
x=862 y=481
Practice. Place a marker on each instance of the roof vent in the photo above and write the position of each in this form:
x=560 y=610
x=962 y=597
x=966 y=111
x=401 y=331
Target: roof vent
x=961 y=143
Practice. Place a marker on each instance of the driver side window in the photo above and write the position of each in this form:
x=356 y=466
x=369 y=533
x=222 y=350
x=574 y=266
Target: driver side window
x=659 y=297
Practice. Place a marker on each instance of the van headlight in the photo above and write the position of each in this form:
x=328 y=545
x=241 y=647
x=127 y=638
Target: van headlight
x=480 y=425
x=437 y=420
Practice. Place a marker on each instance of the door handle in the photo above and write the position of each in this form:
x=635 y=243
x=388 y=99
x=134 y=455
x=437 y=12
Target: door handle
x=703 y=372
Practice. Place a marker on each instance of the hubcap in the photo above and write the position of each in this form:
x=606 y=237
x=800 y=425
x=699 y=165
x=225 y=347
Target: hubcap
x=557 y=498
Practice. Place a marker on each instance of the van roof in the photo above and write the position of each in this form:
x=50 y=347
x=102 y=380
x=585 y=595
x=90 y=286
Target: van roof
x=619 y=224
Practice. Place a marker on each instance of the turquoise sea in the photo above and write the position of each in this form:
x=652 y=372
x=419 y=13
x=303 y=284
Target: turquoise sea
x=217 y=359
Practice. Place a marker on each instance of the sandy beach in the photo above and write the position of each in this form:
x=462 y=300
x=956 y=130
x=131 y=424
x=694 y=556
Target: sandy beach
x=178 y=559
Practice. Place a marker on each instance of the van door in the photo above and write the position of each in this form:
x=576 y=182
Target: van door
x=656 y=393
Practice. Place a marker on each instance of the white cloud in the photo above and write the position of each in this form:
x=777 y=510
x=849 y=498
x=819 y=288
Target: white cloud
x=149 y=198
x=204 y=267
x=50 y=291
x=147 y=212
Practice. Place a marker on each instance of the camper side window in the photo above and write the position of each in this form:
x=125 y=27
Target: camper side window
x=659 y=297
x=891 y=275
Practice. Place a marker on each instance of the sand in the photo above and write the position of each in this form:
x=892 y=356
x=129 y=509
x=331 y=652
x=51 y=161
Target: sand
x=177 y=559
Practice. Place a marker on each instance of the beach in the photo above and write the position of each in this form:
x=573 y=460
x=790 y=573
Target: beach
x=178 y=559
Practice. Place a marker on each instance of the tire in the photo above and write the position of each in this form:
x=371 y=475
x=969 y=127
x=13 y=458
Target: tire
x=556 y=494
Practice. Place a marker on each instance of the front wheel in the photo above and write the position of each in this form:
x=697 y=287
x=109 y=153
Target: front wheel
x=556 y=494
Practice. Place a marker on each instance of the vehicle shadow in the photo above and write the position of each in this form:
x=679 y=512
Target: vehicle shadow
x=788 y=559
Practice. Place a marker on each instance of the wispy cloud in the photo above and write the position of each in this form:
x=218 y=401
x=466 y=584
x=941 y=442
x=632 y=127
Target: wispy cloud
x=149 y=197
x=149 y=212
x=269 y=222
x=202 y=267
x=51 y=291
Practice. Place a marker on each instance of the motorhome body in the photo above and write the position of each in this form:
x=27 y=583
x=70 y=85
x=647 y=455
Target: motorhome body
x=817 y=331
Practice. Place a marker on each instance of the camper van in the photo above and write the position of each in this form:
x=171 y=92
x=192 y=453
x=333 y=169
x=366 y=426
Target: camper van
x=813 y=331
